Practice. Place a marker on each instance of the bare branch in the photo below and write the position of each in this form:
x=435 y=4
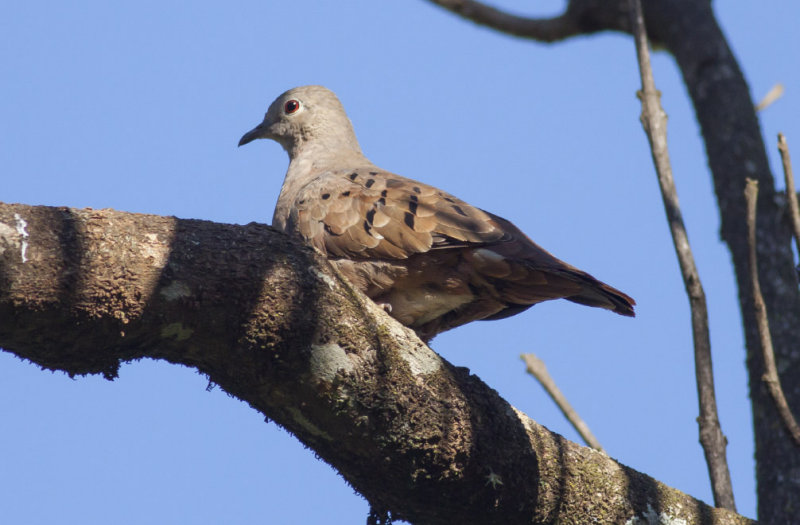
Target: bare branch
x=541 y=29
x=772 y=95
x=537 y=369
x=770 y=371
x=654 y=121
x=269 y=321
x=722 y=101
x=791 y=193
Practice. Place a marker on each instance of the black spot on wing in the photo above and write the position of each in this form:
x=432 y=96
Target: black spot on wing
x=458 y=210
x=408 y=218
x=353 y=176
x=326 y=196
x=369 y=183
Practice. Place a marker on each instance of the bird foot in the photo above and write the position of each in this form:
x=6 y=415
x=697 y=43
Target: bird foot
x=386 y=307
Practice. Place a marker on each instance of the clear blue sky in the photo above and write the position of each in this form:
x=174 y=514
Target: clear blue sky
x=138 y=106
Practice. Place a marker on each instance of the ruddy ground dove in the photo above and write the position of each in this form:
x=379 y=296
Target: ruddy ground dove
x=431 y=260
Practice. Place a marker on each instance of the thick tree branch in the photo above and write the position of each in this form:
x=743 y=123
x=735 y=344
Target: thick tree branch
x=271 y=323
x=542 y=29
x=579 y=18
x=654 y=121
x=735 y=149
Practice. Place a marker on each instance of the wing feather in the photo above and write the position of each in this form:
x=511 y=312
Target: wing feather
x=376 y=215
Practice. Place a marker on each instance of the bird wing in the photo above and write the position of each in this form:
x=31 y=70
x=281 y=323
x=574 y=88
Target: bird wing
x=368 y=214
x=372 y=214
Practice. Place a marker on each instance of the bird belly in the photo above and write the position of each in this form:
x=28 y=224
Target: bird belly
x=410 y=292
x=420 y=305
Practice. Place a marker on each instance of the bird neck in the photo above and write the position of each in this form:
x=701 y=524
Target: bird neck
x=308 y=163
x=308 y=159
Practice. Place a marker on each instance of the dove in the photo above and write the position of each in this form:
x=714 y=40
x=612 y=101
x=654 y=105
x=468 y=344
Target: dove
x=431 y=260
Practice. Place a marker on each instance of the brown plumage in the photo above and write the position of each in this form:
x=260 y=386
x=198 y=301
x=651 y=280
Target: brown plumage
x=434 y=261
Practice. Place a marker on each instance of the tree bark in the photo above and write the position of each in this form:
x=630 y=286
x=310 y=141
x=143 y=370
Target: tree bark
x=735 y=148
x=270 y=322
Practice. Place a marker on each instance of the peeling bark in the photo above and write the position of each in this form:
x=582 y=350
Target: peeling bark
x=270 y=322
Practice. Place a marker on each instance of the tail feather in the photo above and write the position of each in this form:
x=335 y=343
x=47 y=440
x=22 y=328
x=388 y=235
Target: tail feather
x=599 y=294
x=522 y=292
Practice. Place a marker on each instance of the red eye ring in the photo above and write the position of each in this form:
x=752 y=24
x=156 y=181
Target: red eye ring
x=291 y=106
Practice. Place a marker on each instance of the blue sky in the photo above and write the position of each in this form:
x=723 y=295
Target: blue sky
x=139 y=106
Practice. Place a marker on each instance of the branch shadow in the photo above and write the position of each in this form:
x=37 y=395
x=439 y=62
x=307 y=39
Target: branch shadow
x=217 y=281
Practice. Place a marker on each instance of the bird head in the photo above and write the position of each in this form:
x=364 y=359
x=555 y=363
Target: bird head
x=302 y=116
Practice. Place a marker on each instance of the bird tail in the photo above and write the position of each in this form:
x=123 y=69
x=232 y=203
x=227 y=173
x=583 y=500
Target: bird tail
x=598 y=294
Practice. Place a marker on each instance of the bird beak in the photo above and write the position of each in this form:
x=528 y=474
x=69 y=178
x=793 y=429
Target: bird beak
x=255 y=133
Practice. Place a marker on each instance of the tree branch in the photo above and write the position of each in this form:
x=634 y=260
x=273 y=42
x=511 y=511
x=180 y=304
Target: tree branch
x=542 y=29
x=725 y=111
x=538 y=370
x=772 y=95
x=270 y=322
x=771 y=372
x=654 y=121
x=791 y=193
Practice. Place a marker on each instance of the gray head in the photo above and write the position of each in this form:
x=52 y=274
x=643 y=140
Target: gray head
x=306 y=118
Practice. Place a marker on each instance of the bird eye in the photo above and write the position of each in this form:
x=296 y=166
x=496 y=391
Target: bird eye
x=291 y=106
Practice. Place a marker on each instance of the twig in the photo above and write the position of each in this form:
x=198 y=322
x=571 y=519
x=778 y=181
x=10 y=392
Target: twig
x=654 y=121
x=537 y=369
x=772 y=95
x=541 y=29
x=770 y=376
x=791 y=194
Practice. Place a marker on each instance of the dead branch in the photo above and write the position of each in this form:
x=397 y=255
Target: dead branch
x=791 y=193
x=772 y=95
x=770 y=370
x=538 y=370
x=654 y=121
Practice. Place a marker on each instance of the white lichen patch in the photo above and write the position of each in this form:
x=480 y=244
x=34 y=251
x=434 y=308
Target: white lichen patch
x=421 y=359
x=327 y=360
x=322 y=277
x=651 y=517
x=493 y=479
x=301 y=420
x=176 y=290
x=21 y=225
x=177 y=331
x=9 y=239
x=154 y=249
